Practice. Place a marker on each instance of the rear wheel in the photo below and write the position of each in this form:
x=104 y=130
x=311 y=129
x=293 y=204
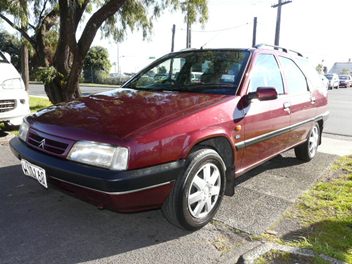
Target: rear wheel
x=308 y=149
x=197 y=193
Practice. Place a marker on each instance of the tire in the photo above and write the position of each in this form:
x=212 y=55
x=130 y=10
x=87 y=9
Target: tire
x=197 y=193
x=308 y=149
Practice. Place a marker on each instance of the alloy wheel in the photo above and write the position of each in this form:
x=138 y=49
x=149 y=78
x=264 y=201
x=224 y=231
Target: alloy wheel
x=204 y=190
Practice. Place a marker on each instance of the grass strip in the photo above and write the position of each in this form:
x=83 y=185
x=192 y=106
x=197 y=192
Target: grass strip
x=325 y=214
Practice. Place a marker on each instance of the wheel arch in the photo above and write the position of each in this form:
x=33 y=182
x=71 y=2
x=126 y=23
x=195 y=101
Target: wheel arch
x=223 y=147
x=321 y=126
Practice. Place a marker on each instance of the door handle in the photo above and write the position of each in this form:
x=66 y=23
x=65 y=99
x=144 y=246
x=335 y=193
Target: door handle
x=312 y=100
x=287 y=106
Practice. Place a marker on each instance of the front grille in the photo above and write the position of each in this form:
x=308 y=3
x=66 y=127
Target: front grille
x=7 y=105
x=46 y=144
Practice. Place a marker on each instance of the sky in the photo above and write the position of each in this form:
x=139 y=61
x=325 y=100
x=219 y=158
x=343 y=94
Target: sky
x=319 y=29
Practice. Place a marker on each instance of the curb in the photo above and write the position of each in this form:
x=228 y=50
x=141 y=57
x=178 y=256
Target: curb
x=250 y=256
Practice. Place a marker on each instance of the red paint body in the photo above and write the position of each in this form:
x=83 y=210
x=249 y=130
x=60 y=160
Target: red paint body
x=161 y=127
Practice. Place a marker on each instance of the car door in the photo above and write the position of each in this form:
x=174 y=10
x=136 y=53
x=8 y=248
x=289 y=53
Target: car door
x=302 y=101
x=264 y=121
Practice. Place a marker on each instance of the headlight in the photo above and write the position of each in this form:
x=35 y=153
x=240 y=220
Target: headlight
x=12 y=84
x=23 y=130
x=100 y=155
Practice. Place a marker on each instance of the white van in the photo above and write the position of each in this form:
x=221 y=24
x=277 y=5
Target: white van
x=14 y=100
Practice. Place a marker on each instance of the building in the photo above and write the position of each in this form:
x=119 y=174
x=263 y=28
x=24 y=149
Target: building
x=341 y=68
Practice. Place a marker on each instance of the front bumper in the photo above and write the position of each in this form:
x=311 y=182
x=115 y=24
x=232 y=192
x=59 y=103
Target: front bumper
x=19 y=109
x=91 y=181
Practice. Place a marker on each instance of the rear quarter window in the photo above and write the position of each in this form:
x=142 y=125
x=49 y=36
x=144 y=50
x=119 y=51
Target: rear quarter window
x=294 y=77
x=313 y=78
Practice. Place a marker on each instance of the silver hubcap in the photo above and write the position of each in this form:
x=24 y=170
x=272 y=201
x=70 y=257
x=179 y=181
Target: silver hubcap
x=313 y=141
x=204 y=190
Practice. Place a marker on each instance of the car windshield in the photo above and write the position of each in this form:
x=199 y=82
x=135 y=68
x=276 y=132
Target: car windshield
x=203 y=71
x=328 y=76
x=343 y=77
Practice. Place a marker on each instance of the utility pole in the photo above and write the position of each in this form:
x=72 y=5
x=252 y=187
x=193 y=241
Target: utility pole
x=278 y=19
x=254 y=39
x=173 y=38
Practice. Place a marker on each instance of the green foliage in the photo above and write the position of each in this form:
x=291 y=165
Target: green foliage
x=320 y=68
x=345 y=71
x=162 y=70
x=326 y=213
x=10 y=44
x=48 y=74
x=96 y=65
x=140 y=15
x=37 y=103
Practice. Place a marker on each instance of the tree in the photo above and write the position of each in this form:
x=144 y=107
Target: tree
x=96 y=64
x=62 y=64
x=345 y=71
x=11 y=45
x=320 y=68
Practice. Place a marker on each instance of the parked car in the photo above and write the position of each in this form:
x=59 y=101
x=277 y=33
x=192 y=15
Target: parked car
x=179 y=143
x=345 y=81
x=14 y=100
x=334 y=80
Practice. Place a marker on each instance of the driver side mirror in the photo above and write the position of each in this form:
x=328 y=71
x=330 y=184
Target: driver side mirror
x=263 y=94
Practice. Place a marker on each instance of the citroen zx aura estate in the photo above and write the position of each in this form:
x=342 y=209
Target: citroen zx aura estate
x=167 y=139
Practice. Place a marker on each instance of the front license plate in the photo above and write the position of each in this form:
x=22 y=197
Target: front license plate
x=35 y=172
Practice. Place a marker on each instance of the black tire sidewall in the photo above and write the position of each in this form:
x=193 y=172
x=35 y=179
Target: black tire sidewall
x=186 y=219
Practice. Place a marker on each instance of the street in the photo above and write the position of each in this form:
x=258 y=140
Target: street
x=48 y=226
x=340 y=107
x=38 y=89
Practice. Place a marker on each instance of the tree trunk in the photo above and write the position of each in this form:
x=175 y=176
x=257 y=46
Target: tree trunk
x=24 y=66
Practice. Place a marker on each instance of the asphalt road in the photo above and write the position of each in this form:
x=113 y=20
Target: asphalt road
x=340 y=106
x=38 y=89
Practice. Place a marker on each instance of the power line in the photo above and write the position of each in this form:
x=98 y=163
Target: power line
x=217 y=30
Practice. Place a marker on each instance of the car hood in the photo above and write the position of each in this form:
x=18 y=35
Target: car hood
x=8 y=71
x=118 y=114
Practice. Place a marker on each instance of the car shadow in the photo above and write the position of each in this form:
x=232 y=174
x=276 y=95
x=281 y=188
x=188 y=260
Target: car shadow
x=279 y=162
x=333 y=236
x=47 y=226
x=3 y=133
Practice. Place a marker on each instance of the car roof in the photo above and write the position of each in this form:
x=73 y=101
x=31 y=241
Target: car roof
x=256 y=49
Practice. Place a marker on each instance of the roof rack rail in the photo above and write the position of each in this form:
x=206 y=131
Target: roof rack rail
x=258 y=46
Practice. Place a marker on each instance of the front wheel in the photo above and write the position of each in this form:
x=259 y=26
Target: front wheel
x=308 y=149
x=197 y=193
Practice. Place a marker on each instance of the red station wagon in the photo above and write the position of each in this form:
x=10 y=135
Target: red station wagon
x=178 y=142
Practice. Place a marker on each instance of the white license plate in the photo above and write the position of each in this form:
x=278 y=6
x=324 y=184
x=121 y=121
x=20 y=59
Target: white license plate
x=35 y=172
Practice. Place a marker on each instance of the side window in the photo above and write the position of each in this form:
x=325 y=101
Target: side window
x=313 y=77
x=266 y=73
x=295 y=79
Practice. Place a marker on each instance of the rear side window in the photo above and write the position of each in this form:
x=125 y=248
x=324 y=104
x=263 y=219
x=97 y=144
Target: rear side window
x=314 y=79
x=266 y=73
x=295 y=79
